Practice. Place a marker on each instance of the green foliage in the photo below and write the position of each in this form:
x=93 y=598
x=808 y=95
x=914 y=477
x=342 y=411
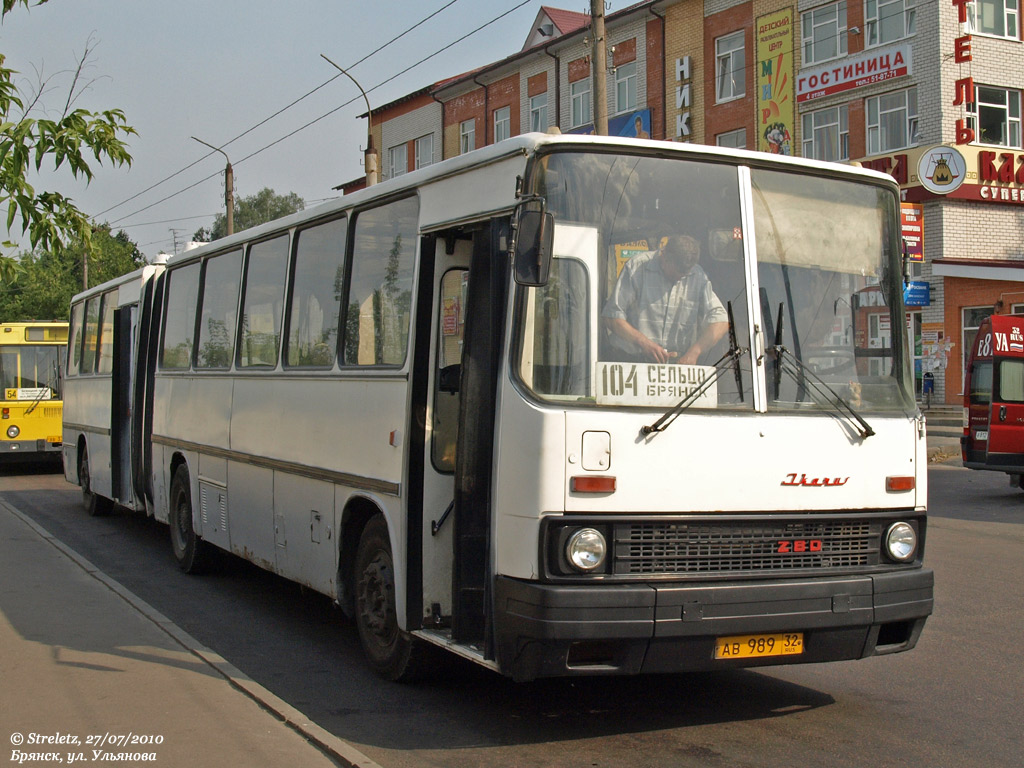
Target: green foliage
x=49 y=279
x=264 y=206
x=72 y=141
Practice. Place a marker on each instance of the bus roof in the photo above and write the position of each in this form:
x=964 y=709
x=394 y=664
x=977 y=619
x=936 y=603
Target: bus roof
x=525 y=145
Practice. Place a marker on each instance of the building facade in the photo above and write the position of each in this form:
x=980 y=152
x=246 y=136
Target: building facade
x=926 y=90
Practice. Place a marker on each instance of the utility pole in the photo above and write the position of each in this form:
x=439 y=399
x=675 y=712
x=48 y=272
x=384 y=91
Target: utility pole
x=370 y=155
x=229 y=186
x=600 y=57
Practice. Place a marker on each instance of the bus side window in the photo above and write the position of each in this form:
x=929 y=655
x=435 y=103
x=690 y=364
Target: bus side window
x=75 y=345
x=106 y=351
x=318 y=278
x=263 y=307
x=219 y=308
x=380 y=294
x=180 y=317
x=452 y=327
x=92 y=334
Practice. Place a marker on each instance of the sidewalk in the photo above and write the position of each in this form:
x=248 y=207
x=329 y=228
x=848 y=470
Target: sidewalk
x=944 y=444
x=88 y=666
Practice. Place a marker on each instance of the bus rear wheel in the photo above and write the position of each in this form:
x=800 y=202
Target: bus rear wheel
x=94 y=504
x=393 y=653
x=192 y=553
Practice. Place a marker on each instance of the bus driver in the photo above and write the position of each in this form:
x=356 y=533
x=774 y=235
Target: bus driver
x=663 y=308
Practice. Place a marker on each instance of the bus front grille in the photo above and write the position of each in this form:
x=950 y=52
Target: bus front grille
x=655 y=548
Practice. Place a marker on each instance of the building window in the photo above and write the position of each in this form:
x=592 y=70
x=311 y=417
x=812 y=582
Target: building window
x=826 y=134
x=994 y=17
x=732 y=139
x=625 y=88
x=888 y=20
x=580 y=95
x=425 y=151
x=398 y=161
x=539 y=112
x=824 y=33
x=502 y=123
x=892 y=121
x=467 y=136
x=730 y=67
x=995 y=116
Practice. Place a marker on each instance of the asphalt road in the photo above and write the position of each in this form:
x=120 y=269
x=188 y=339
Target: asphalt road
x=954 y=701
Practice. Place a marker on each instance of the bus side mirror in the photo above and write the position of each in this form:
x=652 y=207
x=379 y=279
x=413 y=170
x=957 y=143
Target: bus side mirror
x=906 y=263
x=535 y=233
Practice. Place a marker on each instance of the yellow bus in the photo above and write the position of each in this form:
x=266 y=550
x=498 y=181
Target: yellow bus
x=30 y=373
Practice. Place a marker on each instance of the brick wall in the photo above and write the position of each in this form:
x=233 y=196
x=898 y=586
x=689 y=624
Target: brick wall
x=738 y=113
x=684 y=36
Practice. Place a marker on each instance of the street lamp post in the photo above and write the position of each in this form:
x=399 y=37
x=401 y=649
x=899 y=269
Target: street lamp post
x=229 y=184
x=370 y=156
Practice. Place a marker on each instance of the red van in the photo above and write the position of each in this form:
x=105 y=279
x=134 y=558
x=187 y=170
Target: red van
x=994 y=398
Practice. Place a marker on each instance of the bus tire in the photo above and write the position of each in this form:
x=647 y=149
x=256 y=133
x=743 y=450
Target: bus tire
x=392 y=653
x=191 y=552
x=94 y=504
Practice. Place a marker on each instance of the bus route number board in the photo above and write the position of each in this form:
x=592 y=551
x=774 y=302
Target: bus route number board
x=759 y=646
x=36 y=393
x=654 y=384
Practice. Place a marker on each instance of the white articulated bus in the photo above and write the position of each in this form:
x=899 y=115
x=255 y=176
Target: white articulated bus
x=409 y=399
x=101 y=437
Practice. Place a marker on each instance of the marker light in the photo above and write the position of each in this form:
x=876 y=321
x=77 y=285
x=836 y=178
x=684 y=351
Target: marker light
x=586 y=549
x=899 y=484
x=592 y=484
x=13 y=431
x=901 y=542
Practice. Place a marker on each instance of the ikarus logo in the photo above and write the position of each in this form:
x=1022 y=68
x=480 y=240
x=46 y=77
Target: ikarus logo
x=942 y=170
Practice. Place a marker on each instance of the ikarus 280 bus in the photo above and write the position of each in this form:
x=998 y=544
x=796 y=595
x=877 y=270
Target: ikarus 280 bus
x=411 y=400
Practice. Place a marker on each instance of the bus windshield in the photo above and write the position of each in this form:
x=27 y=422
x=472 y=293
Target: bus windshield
x=32 y=369
x=657 y=276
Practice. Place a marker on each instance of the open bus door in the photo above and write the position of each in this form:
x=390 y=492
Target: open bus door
x=994 y=398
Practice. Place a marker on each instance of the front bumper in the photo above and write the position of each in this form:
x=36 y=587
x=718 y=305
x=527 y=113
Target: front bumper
x=29 y=447
x=544 y=630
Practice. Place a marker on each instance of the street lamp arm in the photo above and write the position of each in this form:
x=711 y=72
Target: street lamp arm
x=369 y=111
x=215 y=149
x=229 y=187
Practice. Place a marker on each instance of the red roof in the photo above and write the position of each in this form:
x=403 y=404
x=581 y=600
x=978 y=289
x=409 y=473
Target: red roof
x=566 y=21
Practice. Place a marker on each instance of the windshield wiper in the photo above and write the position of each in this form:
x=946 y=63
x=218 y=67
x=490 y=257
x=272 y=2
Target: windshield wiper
x=731 y=357
x=804 y=376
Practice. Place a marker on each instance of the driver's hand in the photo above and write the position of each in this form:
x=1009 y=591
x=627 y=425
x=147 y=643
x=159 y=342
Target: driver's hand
x=654 y=351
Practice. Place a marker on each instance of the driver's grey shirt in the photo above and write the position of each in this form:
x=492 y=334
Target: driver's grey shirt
x=669 y=313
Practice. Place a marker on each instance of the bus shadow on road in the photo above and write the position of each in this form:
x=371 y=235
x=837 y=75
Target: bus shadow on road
x=495 y=710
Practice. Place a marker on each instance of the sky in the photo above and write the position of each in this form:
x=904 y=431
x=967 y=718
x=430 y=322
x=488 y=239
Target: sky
x=216 y=69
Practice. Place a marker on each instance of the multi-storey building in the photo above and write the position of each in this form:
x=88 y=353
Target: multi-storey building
x=927 y=90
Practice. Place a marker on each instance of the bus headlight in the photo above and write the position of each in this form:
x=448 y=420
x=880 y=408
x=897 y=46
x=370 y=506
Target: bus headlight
x=901 y=542
x=13 y=431
x=586 y=549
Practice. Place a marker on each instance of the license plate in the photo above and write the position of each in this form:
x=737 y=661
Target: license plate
x=981 y=435
x=759 y=646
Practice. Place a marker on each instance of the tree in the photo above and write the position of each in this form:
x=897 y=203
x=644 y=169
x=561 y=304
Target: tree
x=50 y=219
x=264 y=206
x=48 y=279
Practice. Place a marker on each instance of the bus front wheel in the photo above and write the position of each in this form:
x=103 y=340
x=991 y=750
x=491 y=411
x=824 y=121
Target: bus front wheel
x=94 y=504
x=191 y=552
x=393 y=653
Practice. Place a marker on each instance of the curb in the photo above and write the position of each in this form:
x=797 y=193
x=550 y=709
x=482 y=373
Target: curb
x=327 y=742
